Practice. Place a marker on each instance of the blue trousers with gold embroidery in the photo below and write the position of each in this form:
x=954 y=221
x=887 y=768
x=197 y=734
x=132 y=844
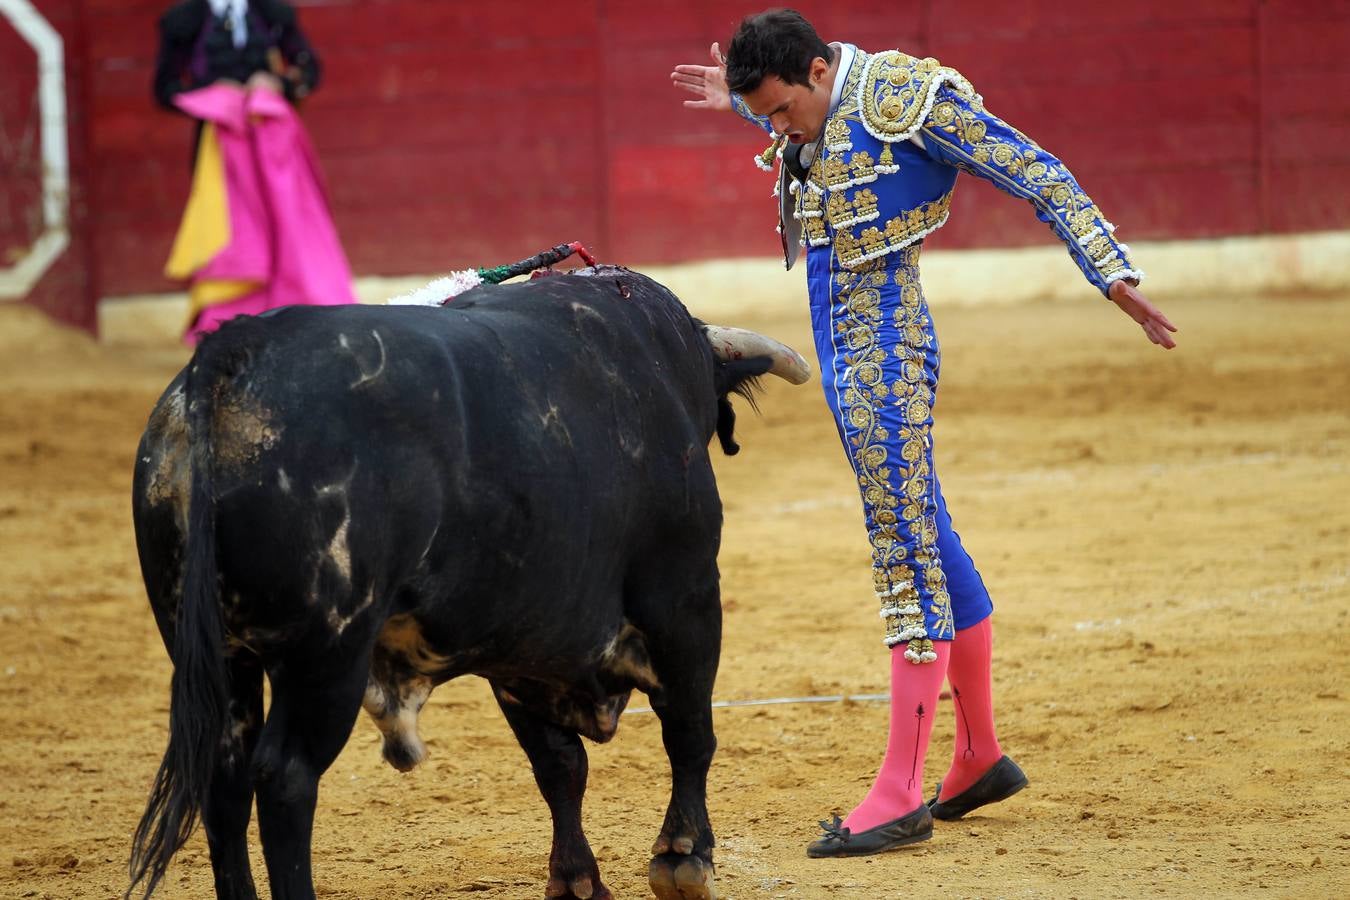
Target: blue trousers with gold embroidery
x=879 y=362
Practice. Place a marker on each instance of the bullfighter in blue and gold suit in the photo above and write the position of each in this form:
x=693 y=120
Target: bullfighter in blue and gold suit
x=869 y=146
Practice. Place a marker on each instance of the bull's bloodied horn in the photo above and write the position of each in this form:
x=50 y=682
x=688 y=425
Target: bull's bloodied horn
x=737 y=343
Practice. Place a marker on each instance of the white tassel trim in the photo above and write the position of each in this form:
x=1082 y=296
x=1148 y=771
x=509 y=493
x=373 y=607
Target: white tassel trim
x=892 y=248
x=938 y=81
x=856 y=220
x=817 y=242
x=843 y=145
x=807 y=214
x=890 y=612
x=762 y=165
x=1087 y=238
x=1136 y=274
x=854 y=182
x=440 y=290
x=887 y=170
x=925 y=657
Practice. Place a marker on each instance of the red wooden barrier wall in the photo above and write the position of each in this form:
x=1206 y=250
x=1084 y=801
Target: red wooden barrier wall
x=458 y=133
x=67 y=290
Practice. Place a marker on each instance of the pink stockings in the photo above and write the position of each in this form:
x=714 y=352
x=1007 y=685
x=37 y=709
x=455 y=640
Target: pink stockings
x=898 y=789
x=976 y=748
x=965 y=662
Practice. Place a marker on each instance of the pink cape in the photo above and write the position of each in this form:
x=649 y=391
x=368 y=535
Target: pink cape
x=281 y=230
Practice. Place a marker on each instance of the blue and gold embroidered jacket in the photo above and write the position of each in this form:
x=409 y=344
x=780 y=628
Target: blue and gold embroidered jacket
x=884 y=174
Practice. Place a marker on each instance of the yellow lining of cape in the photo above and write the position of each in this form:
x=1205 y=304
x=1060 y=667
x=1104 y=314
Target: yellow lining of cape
x=205 y=229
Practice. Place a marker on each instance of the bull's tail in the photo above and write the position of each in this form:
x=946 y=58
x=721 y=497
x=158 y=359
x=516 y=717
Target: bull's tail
x=199 y=694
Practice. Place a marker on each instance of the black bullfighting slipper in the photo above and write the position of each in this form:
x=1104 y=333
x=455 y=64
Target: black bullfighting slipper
x=1003 y=779
x=839 y=841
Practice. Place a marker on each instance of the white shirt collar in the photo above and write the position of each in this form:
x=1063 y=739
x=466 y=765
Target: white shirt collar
x=234 y=12
x=846 y=53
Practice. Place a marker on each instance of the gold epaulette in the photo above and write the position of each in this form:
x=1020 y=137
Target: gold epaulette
x=896 y=93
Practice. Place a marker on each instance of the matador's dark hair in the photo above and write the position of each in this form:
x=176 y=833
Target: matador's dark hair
x=775 y=42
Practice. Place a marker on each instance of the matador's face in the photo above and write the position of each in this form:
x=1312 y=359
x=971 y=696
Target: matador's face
x=797 y=111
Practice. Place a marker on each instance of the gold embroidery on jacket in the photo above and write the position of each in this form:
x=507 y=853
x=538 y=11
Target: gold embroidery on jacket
x=895 y=234
x=837 y=135
x=841 y=212
x=811 y=208
x=898 y=92
x=835 y=172
x=1050 y=186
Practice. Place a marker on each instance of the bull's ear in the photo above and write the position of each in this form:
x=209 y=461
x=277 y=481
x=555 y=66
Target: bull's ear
x=741 y=376
x=726 y=427
x=736 y=376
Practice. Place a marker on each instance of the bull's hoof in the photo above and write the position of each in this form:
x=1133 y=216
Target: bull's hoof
x=583 y=887
x=676 y=877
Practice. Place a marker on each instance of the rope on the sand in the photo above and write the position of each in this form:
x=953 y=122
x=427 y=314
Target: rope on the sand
x=779 y=701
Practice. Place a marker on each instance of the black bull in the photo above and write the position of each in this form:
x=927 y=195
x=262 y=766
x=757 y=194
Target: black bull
x=364 y=502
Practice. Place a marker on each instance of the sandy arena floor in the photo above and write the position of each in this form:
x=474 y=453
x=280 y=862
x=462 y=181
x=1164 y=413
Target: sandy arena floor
x=1165 y=534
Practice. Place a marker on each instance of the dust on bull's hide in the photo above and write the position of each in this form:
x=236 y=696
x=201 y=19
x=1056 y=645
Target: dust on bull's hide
x=170 y=469
x=240 y=430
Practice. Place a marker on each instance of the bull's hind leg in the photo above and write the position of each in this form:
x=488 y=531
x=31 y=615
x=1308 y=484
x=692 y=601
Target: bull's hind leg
x=684 y=638
x=315 y=702
x=560 y=768
x=229 y=801
x=226 y=811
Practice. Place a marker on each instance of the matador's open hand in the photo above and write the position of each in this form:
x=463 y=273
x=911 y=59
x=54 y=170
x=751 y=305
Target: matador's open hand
x=706 y=82
x=1135 y=305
